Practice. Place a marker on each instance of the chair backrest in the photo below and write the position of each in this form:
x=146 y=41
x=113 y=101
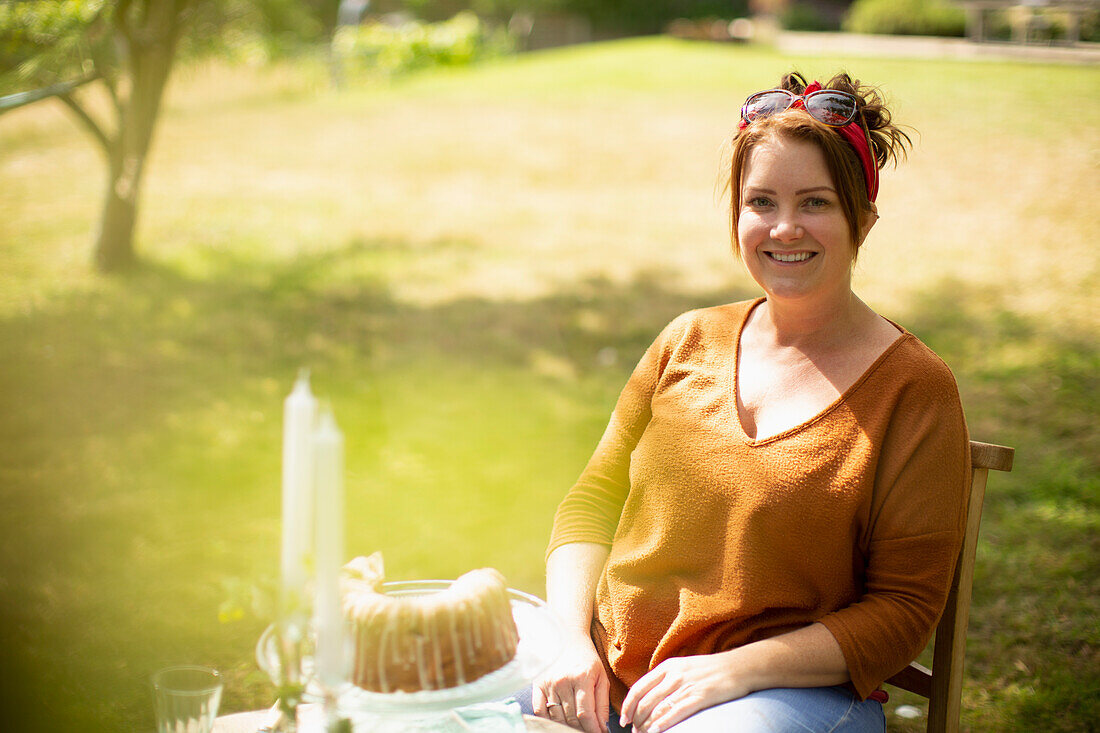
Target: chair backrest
x=942 y=685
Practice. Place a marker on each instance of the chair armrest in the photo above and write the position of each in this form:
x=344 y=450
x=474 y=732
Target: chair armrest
x=914 y=678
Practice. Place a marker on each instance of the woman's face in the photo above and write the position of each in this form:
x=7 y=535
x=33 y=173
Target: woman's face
x=791 y=231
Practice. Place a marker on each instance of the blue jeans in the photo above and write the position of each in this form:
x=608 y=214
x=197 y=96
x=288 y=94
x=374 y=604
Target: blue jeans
x=781 y=710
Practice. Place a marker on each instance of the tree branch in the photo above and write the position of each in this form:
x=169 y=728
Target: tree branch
x=92 y=126
x=111 y=86
x=22 y=99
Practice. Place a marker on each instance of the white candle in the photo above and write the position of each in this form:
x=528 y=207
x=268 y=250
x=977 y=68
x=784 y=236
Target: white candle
x=299 y=415
x=328 y=451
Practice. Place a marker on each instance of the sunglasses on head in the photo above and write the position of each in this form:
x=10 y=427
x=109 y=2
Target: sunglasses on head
x=828 y=106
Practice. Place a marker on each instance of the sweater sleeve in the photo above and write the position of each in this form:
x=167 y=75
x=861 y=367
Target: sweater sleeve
x=915 y=530
x=591 y=510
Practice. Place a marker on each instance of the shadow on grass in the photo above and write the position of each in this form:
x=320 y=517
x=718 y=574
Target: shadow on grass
x=140 y=430
x=140 y=427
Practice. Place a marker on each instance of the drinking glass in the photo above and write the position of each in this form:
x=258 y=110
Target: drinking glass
x=187 y=699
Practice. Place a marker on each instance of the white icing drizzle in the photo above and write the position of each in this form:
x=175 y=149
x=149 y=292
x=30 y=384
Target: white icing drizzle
x=421 y=666
x=456 y=646
x=388 y=623
x=475 y=623
x=467 y=609
x=438 y=656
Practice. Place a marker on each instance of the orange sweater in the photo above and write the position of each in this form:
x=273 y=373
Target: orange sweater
x=853 y=519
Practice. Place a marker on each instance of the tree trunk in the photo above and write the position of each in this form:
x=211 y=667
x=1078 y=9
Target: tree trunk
x=150 y=64
x=114 y=249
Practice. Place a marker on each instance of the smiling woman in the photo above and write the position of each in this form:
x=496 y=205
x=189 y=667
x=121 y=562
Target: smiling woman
x=792 y=234
x=750 y=546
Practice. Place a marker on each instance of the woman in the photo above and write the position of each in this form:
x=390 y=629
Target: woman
x=768 y=527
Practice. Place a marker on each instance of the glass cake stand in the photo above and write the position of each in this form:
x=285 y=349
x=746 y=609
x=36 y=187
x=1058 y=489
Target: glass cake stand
x=540 y=642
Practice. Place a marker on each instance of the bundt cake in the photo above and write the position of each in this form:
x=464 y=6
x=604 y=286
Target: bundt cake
x=428 y=641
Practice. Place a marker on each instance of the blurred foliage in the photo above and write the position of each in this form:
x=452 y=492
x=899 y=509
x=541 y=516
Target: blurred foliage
x=610 y=17
x=628 y=16
x=1090 y=26
x=906 y=18
x=803 y=16
x=378 y=48
x=259 y=30
x=42 y=41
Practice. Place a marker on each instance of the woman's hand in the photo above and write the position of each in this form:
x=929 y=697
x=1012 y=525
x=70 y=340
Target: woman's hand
x=678 y=688
x=682 y=686
x=574 y=691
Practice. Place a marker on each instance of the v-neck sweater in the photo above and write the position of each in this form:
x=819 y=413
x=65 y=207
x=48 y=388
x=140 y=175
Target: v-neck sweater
x=853 y=518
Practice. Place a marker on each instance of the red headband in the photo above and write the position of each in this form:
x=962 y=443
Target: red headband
x=856 y=137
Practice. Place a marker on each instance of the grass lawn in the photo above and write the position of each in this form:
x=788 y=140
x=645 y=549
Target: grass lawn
x=471 y=262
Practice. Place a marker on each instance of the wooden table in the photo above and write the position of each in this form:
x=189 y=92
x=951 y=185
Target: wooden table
x=252 y=721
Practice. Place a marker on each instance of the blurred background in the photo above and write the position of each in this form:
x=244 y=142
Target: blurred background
x=469 y=219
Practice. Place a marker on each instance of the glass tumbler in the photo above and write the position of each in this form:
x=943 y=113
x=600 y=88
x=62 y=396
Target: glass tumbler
x=187 y=699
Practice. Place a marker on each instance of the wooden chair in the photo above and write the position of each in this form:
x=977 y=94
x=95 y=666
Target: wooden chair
x=942 y=684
